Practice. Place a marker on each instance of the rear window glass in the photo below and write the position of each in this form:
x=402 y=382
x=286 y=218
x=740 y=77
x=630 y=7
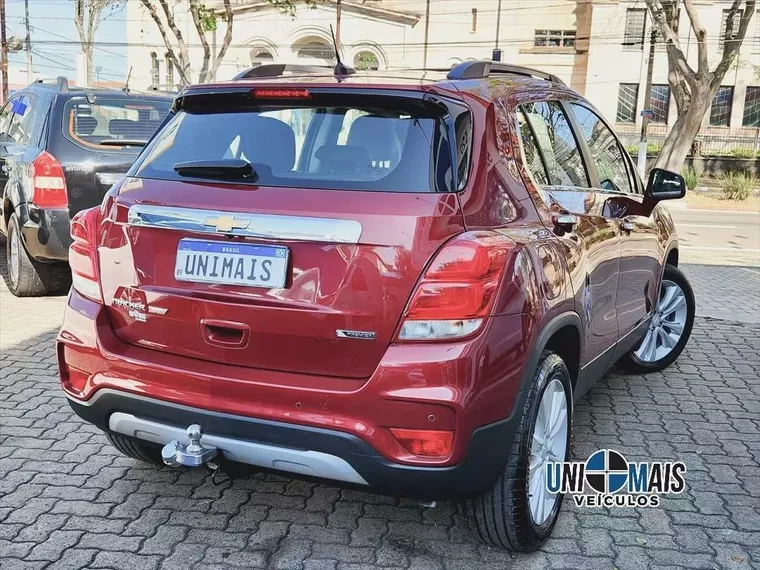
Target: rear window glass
x=107 y=122
x=332 y=147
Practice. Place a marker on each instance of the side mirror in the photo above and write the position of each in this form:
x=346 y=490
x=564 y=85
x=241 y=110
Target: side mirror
x=665 y=185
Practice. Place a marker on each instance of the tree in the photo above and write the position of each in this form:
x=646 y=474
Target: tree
x=693 y=89
x=204 y=20
x=87 y=15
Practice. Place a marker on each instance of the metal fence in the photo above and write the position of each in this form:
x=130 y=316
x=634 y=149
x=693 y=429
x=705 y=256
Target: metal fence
x=742 y=142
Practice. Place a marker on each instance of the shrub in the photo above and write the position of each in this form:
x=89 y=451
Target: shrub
x=691 y=177
x=737 y=185
x=742 y=153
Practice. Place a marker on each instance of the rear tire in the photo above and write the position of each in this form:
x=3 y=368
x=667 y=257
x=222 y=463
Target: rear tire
x=669 y=319
x=135 y=449
x=26 y=276
x=504 y=515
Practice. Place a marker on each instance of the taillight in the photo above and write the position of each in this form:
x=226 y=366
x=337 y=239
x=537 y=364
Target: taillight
x=425 y=442
x=83 y=259
x=458 y=289
x=48 y=182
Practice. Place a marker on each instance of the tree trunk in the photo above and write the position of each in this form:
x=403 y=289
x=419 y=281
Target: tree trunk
x=678 y=143
x=88 y=63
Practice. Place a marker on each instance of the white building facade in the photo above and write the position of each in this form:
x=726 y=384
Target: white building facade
x=599 y=47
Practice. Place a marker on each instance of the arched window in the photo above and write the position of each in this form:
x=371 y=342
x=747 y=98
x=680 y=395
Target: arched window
x=260 y=56
x=169 y=72
x=366 y=60
x=155 y=74
x=316 y=50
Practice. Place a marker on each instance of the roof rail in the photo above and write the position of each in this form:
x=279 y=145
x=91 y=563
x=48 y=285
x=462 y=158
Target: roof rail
x=61 y=83
x=278 y=69
x=482 y=68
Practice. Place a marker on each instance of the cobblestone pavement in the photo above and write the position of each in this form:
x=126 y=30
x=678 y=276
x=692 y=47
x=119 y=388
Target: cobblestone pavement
x=68 y=500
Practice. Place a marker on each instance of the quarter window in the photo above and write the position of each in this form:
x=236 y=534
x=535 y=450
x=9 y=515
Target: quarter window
x=559 y=148
x=531 y=154
x=605 y=151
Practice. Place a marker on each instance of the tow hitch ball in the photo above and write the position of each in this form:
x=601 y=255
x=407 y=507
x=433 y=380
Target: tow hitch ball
x=194 y=454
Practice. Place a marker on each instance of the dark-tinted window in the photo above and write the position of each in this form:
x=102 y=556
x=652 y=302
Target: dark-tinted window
x=20 y=125
x=107 y=122
x=605 y=149
x=752 y=106
x=627 y=98
x=659 y=103
x=720 y=111
x=552 y=130
x=333 y=147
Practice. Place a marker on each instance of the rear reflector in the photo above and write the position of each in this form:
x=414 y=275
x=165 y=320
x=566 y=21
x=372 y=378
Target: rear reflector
x=425 y=442
x=48 y=182
x=281 y=93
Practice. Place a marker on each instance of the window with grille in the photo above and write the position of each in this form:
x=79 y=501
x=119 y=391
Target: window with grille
x=659 y=103
x=752 y=108
x=626 y=107
x=155 y=73
x=726 y=33
x=720 y=112
x=635 y=22
x=555 y=38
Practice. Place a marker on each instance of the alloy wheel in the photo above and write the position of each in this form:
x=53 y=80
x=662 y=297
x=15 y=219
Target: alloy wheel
x=667 y=325
x=549 y=445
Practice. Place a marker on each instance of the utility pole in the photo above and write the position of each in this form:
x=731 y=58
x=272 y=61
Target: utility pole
x=427 y=31
x=647 y=112
x=28 y=41
x=498 y=24
x=4 y=62
x=338 y=11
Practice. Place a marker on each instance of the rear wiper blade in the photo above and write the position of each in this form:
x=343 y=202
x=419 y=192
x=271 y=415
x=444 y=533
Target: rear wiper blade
x=123 y=142
x=229 y=168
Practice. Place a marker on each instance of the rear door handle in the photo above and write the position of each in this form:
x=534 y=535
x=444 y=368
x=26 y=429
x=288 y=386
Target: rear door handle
x=225 y=334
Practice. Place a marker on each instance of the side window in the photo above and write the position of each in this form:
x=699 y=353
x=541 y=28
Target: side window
x=531 y=154
x=5 y=116
x=564 y=164
x=22 y=121
x=606 y=151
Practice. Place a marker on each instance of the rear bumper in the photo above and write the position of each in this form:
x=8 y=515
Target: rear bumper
x=304 y=450
x=470 y=388
x=46 y=234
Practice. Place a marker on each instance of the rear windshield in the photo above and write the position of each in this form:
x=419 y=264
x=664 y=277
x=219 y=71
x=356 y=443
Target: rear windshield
x=113 y=123
x=306 y=146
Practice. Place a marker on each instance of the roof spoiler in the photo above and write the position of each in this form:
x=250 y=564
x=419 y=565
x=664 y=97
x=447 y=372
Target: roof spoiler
x=61 y=83
x=483 y=68
x=280 y=69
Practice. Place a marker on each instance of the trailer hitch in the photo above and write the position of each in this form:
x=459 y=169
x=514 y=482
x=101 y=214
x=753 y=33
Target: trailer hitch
x=194 y=454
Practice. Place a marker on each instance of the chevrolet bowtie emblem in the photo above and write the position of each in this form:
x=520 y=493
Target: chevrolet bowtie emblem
x=226 y=223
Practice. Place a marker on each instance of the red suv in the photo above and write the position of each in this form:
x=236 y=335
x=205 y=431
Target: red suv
x=400 y=282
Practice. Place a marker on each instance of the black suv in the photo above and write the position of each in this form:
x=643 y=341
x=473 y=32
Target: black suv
x=61 y=149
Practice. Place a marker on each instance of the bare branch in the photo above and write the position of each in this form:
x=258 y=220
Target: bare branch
x=179 y=66
x=227 y=37
x=194 y=8
x=703 y=66
x=732 y=43
x=676 y=56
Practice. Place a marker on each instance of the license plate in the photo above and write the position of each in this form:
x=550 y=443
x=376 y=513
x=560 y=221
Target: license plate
x=250 y=265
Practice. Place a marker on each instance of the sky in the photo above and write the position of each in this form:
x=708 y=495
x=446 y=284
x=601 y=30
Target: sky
x=55 y=41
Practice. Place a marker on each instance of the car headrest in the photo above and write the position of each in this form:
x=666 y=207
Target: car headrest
x=379 y=136
x=84 y=124
x=266 y=140
x=343 y=159
x=124 y=128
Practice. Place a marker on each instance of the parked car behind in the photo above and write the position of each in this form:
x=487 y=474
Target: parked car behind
x=61 y=149
x=401 y=282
